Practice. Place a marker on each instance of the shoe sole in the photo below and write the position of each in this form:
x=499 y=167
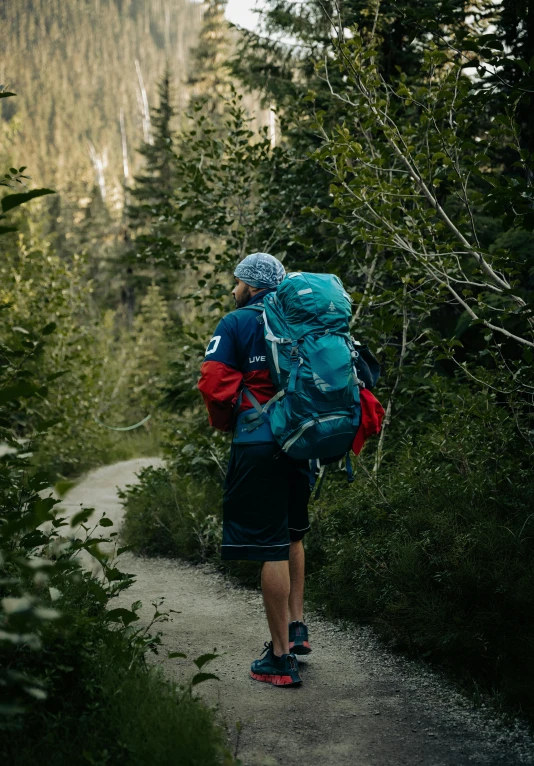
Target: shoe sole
x=274 y=679
x=303 y=648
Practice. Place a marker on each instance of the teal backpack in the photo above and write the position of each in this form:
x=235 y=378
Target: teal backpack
x=316 y=368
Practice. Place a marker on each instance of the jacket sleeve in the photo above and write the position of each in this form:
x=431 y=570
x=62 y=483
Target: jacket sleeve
x=220 y=379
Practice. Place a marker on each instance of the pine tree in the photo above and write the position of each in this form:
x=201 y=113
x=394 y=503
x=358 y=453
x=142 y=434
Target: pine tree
x=155 y=184
x=150 y=211
x=209 y=80
x=151 y=348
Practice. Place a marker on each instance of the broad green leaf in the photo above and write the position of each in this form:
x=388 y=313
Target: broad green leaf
x=122 y=615
x=81 y=517
x=33 y=539
x=49 y=328
x=21 y=389
x=204 y=659
x=36 y=692
x=97 y=591
x=113 y=574
x=55 y=375
x=125 y=548
x=14 y=200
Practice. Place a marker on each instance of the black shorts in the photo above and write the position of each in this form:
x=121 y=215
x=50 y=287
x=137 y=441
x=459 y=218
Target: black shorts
x=265 y=503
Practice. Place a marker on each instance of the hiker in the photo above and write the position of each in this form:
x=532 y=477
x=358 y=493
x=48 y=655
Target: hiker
x=266 y=493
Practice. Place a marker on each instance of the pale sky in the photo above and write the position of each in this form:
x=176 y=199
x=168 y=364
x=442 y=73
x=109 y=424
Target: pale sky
x=240 y=12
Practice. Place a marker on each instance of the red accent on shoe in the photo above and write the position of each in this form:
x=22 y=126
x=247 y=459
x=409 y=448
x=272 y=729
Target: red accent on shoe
x=273 y=679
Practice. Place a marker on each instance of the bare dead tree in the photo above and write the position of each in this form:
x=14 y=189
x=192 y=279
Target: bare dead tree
x=100 y=163
x=145 y=111
x=125 y=167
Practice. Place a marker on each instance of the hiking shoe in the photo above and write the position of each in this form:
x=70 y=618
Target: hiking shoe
x=298 y=638
x=279 y=671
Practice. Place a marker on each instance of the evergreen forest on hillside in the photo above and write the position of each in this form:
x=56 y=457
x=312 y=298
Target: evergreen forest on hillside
x=146 y=147
x=80 y=69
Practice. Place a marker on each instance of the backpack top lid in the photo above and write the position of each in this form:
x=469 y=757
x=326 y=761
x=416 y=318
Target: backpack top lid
x=313 y=302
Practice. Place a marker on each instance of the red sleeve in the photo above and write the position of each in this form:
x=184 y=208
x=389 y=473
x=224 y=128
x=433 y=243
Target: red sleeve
x=219 y=385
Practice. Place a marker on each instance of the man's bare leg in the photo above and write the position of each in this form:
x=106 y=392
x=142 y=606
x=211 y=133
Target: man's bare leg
x=275 y=588
x=296 y=575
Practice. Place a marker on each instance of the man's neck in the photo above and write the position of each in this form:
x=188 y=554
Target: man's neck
x=258 y=296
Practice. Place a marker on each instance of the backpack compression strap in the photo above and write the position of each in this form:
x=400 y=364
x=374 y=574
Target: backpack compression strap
x=294 y=362
x=255 y=419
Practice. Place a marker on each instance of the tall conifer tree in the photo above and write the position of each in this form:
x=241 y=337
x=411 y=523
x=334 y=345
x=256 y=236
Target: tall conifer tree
x=209 y=80
x=150 y=196
x=150 y=209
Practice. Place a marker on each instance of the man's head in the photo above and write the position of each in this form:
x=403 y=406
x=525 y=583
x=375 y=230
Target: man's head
x=256 y=272
x=243 y=293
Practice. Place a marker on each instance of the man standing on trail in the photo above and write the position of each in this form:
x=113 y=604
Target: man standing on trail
x=266 y=493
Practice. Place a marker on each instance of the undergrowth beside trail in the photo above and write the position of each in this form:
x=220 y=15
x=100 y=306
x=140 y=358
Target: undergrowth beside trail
x=429 y=571
x=435 y=552
x=103 y=704
x=171 y=516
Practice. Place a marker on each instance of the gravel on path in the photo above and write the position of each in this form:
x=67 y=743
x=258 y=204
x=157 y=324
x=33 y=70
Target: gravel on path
x=359 y=705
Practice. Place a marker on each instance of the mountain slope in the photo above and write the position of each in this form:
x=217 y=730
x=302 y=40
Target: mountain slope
x=73 y=66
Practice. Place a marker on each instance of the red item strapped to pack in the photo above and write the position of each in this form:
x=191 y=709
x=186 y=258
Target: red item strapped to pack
x=371 y=423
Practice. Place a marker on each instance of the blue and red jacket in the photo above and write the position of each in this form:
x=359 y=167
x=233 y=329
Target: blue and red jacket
x=235 y=357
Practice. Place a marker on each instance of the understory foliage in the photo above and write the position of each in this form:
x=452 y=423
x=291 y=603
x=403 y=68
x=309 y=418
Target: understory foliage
x=436 y=552
x=104 y=372
x=85 y=662
x=167 y=515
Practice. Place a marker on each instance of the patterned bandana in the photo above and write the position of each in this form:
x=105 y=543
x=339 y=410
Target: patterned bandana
x=260 y=270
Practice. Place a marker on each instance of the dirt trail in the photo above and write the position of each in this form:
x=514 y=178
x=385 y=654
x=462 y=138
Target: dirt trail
x=359 y=704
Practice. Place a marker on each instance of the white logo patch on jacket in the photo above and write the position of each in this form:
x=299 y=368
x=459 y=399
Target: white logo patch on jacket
x=213 y=344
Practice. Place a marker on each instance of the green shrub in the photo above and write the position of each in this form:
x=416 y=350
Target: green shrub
x=438 y=553
x=101 y=370
x=167 y=515
x=104 y=705
x=74 y=686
